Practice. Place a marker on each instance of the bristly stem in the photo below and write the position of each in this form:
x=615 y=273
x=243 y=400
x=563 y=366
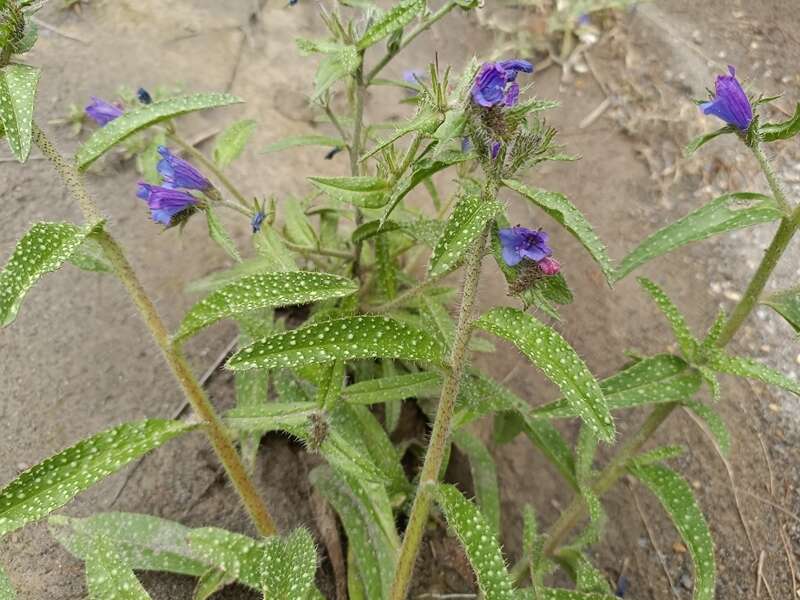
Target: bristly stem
x=215 y=429
x=440 y=434
x=355 y=153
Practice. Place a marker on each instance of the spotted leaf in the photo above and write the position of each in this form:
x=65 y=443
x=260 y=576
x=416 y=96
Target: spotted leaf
x=751 y=369
x=787 y=304
x=676 y=497
x=263 y=290
x=468 y=220
x=713 y=423
x=349 y=338
x=397 y=387
x=479 y=542
x=484 y=475
x=288 y=565
x=558 y=361
x=54 y=482
x=364 y=191
x=393 y=20
x=143 y=116
x=108 y=579
x=783 y=130
x=686 y=340
x=237 y=555
x=6 y=590
x=17 y=99
x=340 y=62
x=726 y=213
x=231 y=143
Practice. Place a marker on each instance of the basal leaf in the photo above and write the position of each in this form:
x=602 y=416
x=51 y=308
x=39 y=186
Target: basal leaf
x=398 y=387
x=468 y=220
x=787 y=304
x=261 y=291
x=231 y=143
x=296 y=141
x=18 y=85
x=364 y=192
x=288 y=565
x=396 y=18
x=349 y=338
x=143 y=116
x=687 y=342
x=770 y=132
x=562 y=210
x=108 y=579
x=726 y=213
x=676 y=497
x=55 y=481
x=479 y=542
x=751 y=369
x=484 y=476
x=702 y=140
x=558 y=361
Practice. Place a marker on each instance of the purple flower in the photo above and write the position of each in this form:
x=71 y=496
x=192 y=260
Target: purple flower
x=257 y=221
x=102 y=112
x=496 y=149
x=178 y=173
x=730 y=102
x=495 y=84
x=466 y=144
x=164 y=202
x=520 y=242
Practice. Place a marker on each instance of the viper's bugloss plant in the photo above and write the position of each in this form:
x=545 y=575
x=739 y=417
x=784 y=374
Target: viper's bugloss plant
x=378 y=330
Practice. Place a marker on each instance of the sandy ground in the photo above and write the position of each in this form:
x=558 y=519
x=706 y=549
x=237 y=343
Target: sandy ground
x=78 y=360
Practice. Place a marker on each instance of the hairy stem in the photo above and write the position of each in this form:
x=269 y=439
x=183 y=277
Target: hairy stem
x=215 y=429
x=441 y=425
x=355 y=154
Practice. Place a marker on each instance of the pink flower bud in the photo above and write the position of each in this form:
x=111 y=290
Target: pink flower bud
x=549 y=266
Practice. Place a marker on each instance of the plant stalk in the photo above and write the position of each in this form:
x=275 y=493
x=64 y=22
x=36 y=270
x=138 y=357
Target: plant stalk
x=441 y=425
x=355 y=154
x=218 y=434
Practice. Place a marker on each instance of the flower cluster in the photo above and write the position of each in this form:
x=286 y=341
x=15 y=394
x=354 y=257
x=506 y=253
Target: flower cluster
x=730 y=103
x=520 y=243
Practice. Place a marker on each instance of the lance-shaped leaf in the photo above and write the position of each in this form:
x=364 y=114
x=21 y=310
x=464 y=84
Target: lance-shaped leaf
x=558 y=361
x=349 y=338
x=726 y=213
x=712 y=422
x=108 y=579
x=6 y=589
x=231 y=143
x=43 y=249
x=564 y=212
x=17 y=99
x=686 y=340
x=340 y=62
x=653 y=380
x=273 y=416
x=262 y=291
x=751 y=369
x=479 y=542
x=297 y=141
x=425 y=122
x=702 y=140
x=391 y=21
x=237 y=555
x=676 y=497
x=386 y=267
x=787 y=304
x=398 y=387
x=210 y=582
x=55 y=481
x=484 y=475
x=218 y=233
x=373 y=228
x=146 y=115
x=560 y=594
x=364 y=192
x=366 y=514
x=288 y=565
x=469 y=218
x=770 y=132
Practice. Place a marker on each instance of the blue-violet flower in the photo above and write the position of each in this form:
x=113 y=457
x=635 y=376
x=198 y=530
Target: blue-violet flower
x=164 y=202
x=144 y=96
x=730 y=102
x=495 y=84
x=496 y=149
x=102 y=112
x=520 y=242
x=257 y=221
x=177 y=173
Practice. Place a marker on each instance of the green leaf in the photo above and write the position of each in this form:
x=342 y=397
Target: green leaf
x=558 y=361
x=271 y=249
x=341 y=62
x=725 y=213
x=702 y=140
x=425 y=122
x=136 y=119
x=587 y=577
x=770 y=132
x=658 y=455
x=372 y=228
x=210 y=583
x=6 y=589
x=55 y=481
x=364 y=192
x=108 y=579
x=220 y=235
x=676 y=497
x=298 y=227
x=787 y=304
x=484 y=476
x=89 y=257
x=560 y=594
x=713 y=422
x=251 y=391
x=366 y=515
x=424 y=384
x=479 y=542
x=288 y=565
x=239 y=556
x=261 y=291
x=751 y=369
x=687 y=342
x=468 y=220
x=43 y=249
x=386 y=267
x=396 y=18
x=296 y=141
x=141 y=542
x=349 y=338
x=564 y=212
x=18 y=85
x=231 y=143
x=273 y=416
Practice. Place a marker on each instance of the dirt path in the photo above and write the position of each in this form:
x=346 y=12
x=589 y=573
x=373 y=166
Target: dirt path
x=77 y=360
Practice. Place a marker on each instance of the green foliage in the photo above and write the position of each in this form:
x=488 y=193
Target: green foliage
x=264 y=290
x=297 y=141
x=725 y=213
x=108 y=579
x=393 y=20
x=751 y=369
x=105 y=138
x=399 y=387
x=18 y=85
x=218 y=233
x=484 y=476
x=787 y=304
x=288 y=565
x=364 y=192
x=687 y=342
x=231 y=143
x=558 y=361
x=479 y=542
x=340 y=62
x=702 y=140
x=52 y=483
x=770 y=132
x=676 y=497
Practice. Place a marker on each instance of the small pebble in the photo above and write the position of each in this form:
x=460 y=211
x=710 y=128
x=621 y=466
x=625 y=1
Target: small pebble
x=679 y=548
x=686 y=582
x=733 y=296
x=774 y=407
